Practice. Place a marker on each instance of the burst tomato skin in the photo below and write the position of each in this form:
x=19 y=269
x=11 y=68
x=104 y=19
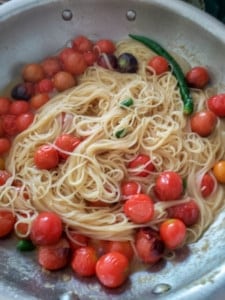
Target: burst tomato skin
x=46 y=157
x=54 y=257
x=207 y=185
x=187 y=212
x=168 y=186
x=150 y=247
x=216 y=104
x=112 y=269
x=46 y=229
x=7 y=221
x=144 y=162
x=173 y=233
x=84 y=261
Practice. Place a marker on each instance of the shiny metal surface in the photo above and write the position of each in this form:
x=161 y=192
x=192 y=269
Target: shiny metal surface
x=32 y=29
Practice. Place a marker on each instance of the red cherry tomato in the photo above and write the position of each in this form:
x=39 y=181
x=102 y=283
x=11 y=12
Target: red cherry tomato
x=123 y=247
x=82 y=44
x=187 y=212
x=150 y=248
x=203 y=123
x=66 y=142
x=84 y=261
x=159 y=64
x=75 y=63
x=129 y=188
x=44 y=86
x=19 y=107
x=51 y=66
x=168 y=186
x=65 y=53
x=54 y=257
x=4 y=176
x=90 y=57
x=23 y=121
x=173 y=233
x=46 y=229
x=9 y=124
x=112 y=269
x=141 y=165
x=5 y=145
x=7 y=221
x=207 y=185
x=219 y=171
x=197 y=77
x=139 y=208
x=104 y=46
x=46 y=157
x=38 y=100
x=77 y=240
x=217 y=105
x=4 y=105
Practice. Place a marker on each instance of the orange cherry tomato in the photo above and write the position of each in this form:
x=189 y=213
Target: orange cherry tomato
x=5 y=145
x=112 y=269
x=139 y=208
x=104 y=46
x=19 y=107
x=159 y=64
x=39 y=100
x=123 y=247
x=54 y=257
x=33 y=73
x=219 y=171
x=141 y=165
x=149 y=246
x=197 y=77
x=173 y=233
x=207 y=185
x=66 y=142
x=84 y=261
x=63 y=81
x=4 y=105
x=203 y=123
x=51 y=66
x=129 y=188
x=46 y=229
x=75 y=63
x=7 y=221
x=216 y=104
x=46 y=157
x=82 y=44
x=2 y=163
x=23 y=121
x=4 y=176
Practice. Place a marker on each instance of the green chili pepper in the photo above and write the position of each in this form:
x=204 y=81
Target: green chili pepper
x=121 y=133
x=25 y=245
x=127 y=102
x=176 y=69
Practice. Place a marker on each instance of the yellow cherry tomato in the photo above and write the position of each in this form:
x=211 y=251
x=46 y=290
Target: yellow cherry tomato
x=219 y=171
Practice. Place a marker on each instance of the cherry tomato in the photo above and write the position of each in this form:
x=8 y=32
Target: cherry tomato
x=46 y=229
x=63 y=81
x=90 y=57
x=51 y=66
x=97 y=203
x=9 y=124
x=44 y=86
x=23 y=121
x=66 y=142
x=77 y=240
x=33 y=73
x=5 y=145
x=39 y=100
x=54 y=257
x=82 y=44
x=2 y=163
x=168 y=186
x=65 y=53
x=150 y=248
x=197 y=77
x=84 y=261
x=4 y=105
x=4 y=176
x=141 y=165
x=187 y=212
x=139 y=208
x=19 y=107
x=75 y=63
x=216 y=104
x=104 y=46
x=173 y=233
x=112 y=269
x=7 y=221
x=46 y=157
x=203 y=123
x=1 y=127
x=159 y=64
x=123 y=247
x=129 y=188
x=219 y=171
x=207 y=185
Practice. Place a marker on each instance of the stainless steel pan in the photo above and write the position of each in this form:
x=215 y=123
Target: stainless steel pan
x=30 y=30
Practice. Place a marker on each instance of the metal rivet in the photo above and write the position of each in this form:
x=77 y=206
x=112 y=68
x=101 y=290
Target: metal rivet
x=131 y=15
x=161 y=288
x=67 y=15
x=69 y=296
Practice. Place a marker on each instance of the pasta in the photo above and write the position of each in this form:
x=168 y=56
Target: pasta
x=92 y=110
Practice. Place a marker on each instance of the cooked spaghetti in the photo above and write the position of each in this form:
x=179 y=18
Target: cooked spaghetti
x=154 y=124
